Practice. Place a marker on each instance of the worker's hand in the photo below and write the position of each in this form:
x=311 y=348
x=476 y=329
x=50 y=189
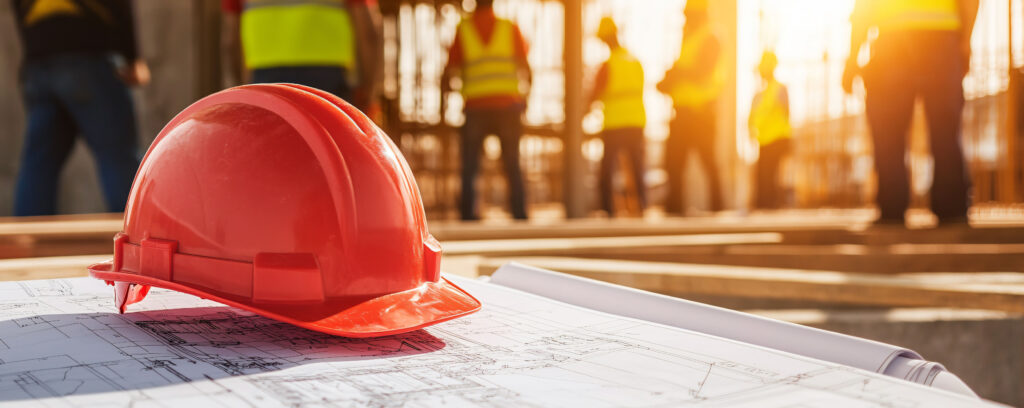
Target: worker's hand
x=135 y=73
x=851 y=71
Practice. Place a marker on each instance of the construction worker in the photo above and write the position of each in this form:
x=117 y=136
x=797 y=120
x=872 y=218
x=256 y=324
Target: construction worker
x=619 y=86
x=694 y=83
x=769 y=124
x=923 y=49
x=333 y=45
x=79 y=60
x=490 y=54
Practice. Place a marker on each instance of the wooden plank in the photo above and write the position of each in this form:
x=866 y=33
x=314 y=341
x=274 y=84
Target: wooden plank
x=767 y=283
x=597 y=244
x=882 y=259
x=464 y=231
x=23 y=237
x=804 y=229
x=86 y=234
x=48 y=267
x=101 y=225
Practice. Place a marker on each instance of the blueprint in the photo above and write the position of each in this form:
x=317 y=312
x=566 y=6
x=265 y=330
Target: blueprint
x=63 y=344
x=838 y=348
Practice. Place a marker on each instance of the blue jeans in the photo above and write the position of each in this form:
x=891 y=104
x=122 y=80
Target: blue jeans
x=66 y=96
x=905 y=66
x=325 y=78
x=505 y=124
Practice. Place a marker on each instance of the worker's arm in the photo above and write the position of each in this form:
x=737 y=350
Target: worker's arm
x=232 y=69
x=752 y=116
x=858 y=35
x=968 y=14
x=707 y=60
x=784 y=100
x=525 y=72
x=134 y=72
x=600 y=83
x=369 y=51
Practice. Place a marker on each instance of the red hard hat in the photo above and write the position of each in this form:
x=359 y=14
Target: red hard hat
x=288 y=202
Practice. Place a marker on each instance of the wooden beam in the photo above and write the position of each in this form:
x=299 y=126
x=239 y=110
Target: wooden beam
x=767 y=283
x=63 y=225
x=542 y=246
x=48 y=267
x=592 y=227
x=879 y=259
x=573 y=193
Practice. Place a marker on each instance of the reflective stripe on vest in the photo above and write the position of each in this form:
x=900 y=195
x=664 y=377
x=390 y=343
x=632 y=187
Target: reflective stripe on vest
x=769 y=118
x=279 y=33
x=917 y=15
x=623 y=96
x=692 y=93
x=488 y=69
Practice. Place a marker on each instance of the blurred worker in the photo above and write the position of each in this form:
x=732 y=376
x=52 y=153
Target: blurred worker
x=922 y=50
x=490 y=54
x=619 y=86
x=326 y=44
x=79 y=60
x=769 y=123
x=694 y=83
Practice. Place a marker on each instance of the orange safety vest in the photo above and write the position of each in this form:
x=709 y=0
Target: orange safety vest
x=697 y=93
x=488 y=69
x=623 y=96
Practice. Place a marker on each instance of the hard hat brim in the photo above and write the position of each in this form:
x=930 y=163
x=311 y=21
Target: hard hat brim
x=366 y=316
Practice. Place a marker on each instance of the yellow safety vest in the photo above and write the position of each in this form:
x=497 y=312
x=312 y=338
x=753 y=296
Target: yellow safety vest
x=917 y=15
x=769 y=119
x=691 y=93
x=488 y=69
x=279 y=33
x=623 y=96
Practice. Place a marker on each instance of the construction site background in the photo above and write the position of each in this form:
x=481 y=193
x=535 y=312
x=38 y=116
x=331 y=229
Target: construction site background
x=831 y=166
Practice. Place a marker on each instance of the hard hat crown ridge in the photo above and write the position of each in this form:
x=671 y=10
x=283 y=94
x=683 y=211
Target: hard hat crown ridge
x=286 y=201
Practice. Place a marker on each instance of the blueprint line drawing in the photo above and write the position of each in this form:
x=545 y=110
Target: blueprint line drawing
x=63 y=344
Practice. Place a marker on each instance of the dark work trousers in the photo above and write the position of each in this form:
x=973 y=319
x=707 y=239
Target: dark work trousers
x=693 y=128
x=333 y=79
x=67 y=96
x=769 y=190
x=480 y=123
x=905 y=66
x=631 y=142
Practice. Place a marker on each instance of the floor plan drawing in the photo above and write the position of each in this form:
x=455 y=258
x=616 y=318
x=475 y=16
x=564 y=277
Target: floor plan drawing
x=63 y=344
